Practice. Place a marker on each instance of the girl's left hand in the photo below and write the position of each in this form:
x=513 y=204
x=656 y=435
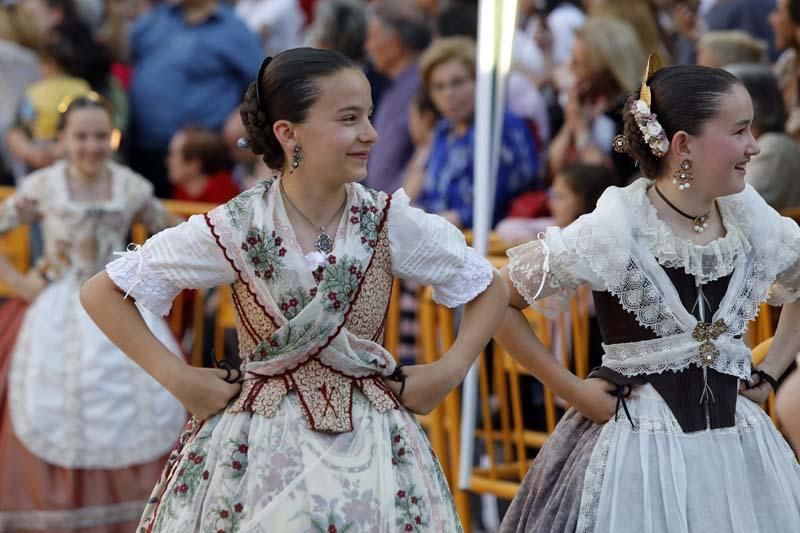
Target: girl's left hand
x=426 y=385
x=758 y=394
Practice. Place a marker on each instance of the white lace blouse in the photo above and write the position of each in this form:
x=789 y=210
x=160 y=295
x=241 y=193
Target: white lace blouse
x=621 y=248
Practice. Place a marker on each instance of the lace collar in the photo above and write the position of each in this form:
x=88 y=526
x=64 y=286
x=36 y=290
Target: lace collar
x=706 y=262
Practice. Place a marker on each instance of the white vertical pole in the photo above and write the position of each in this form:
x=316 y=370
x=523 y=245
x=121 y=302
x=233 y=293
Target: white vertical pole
x=484 y=88
x=505 y=44
x=494 y=30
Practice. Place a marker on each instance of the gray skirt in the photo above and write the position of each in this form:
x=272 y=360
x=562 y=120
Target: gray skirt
x=550 y=495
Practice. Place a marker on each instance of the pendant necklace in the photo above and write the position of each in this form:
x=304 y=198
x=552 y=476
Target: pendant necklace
x=700 y=222
x=324 y=242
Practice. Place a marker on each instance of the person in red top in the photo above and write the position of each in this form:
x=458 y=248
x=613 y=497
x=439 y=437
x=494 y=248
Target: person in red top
x=199 y=167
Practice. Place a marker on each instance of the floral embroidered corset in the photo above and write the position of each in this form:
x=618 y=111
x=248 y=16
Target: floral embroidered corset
x=315 y=333
x=325 y=394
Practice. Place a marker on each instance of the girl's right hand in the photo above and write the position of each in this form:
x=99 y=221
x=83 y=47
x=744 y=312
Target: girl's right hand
x=596 y=400
x=204 y=391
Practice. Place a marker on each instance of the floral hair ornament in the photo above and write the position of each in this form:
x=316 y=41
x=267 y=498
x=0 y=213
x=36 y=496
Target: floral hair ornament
x=652 y=131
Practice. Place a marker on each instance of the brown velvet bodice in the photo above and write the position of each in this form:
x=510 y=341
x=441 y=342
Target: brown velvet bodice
x=683 y=389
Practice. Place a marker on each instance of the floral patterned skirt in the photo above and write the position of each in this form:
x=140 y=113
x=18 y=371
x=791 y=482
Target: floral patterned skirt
x=243 y=472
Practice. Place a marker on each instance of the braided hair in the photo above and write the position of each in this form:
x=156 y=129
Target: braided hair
x=285 y=89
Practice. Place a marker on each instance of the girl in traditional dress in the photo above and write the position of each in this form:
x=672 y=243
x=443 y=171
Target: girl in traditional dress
x=308 y=435
x=84 y=432
x=668 y=435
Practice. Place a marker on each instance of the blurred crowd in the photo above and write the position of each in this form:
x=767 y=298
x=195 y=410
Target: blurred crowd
x=175 y=73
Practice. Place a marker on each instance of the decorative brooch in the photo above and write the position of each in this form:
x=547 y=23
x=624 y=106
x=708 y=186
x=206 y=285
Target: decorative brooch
x=705 y=333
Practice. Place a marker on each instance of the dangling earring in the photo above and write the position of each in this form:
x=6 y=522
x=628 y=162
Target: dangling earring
x=296 y=158
x=683 y=176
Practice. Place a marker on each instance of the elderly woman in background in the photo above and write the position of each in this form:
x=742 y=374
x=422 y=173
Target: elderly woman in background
x=774 y=171
x=447 y=69
x=607 y=61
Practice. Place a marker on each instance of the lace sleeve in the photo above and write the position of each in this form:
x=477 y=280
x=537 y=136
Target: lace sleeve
x=545 y=277
x=13 y=212
x=429 y=250
x=154 y=215
x=547 y=271
x=184 y=257
x=786 y=288
x=784 y=256
x=140 y=193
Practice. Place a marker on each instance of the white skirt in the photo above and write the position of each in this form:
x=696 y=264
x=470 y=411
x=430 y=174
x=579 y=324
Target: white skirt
x=76 y=400
x=657 y=479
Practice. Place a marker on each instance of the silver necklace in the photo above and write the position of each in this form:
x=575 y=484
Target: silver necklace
x=324 y=242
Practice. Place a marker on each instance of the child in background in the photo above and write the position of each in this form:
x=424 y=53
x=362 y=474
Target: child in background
x=84 y=432
x=574 y=192
x=199 y=167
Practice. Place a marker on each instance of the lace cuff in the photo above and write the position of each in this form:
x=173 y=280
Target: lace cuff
x=471 y=280
x=130 y=273
x=542 y=277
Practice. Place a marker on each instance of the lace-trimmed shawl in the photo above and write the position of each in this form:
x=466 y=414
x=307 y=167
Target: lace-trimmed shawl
x=618 y=245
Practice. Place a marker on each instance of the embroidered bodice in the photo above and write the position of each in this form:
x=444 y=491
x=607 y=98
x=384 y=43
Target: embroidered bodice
x=315 y=333
x=80 y=237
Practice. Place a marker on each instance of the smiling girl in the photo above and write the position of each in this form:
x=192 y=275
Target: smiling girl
x=667 y=435
x=314 y=432
x=84 y=432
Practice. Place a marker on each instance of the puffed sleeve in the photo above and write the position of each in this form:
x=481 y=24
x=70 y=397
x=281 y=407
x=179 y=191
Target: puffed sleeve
x=26 y=204
x=546 y=272
x=184 y=257
x=429 y=250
